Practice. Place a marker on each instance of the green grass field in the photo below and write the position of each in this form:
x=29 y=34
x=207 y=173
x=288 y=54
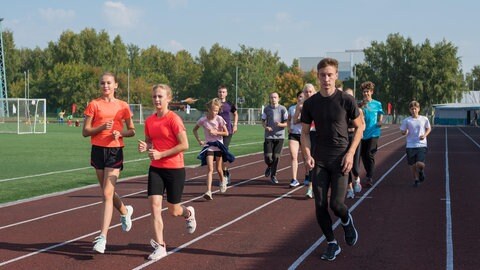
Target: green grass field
x=34 y=165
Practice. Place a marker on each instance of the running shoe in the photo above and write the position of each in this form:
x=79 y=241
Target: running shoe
x=274 y=180
x=357 y=187
x=309 y=193
x=126 y=220
x=333 y=249
x=208 y=196
x=350 y=194
x=369 y=182
x=421 y=176
x=100 y=242
x=351 y=235
x=191 y=221
x=227 y=173
x=159 y=252
x=268 y=171
x=294 y=183
x=223 y=185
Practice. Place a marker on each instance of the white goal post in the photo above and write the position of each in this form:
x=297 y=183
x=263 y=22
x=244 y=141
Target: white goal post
x=137 y=111
x=23 y=115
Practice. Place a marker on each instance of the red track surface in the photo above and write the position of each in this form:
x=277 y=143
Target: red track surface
x=257 y=225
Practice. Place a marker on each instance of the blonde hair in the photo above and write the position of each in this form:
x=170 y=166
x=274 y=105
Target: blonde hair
x=164 y=87
x=214 y=102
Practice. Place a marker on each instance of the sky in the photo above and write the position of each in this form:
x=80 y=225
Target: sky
x=291 y=28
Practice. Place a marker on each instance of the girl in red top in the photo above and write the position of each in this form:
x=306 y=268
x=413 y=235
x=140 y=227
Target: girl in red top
x=165 y=142
x=104 y=118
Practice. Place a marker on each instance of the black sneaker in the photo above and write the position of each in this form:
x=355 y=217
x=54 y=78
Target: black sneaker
x=421 y=176
x=274 y=180
x=416 y=183
x=268 y=171
x=333 y=249
x=351 y=235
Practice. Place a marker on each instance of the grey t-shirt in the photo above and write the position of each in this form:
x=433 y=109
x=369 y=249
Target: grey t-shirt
x=275 y=114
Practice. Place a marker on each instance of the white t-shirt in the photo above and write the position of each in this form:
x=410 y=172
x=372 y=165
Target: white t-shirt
x=295 y=128
x=416 y=127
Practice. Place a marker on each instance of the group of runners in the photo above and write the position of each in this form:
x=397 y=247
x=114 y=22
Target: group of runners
x=329 y=127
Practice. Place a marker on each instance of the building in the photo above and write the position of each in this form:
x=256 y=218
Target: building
x=346 y=61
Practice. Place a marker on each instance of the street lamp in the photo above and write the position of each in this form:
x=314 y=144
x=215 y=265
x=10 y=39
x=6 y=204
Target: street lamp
x=473 y=83
x=236 y=86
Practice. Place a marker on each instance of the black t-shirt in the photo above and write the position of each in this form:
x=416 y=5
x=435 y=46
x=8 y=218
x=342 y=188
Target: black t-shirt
x=331 y=116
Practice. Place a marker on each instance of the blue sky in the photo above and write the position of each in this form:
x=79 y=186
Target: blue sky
x=293 y=28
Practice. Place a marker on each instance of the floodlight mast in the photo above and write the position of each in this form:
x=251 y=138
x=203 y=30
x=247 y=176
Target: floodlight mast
x=3 y=79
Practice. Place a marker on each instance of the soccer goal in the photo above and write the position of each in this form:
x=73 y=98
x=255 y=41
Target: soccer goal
x=137 y=111
x=23 y=115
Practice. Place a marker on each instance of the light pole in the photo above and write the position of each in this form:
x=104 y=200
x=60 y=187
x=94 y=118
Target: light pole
x=128 y=86
x=353 y=68
x=473 y=83
x=236 y=86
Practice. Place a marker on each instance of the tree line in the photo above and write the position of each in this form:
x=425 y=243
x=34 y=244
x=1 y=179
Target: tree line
x=67 y=71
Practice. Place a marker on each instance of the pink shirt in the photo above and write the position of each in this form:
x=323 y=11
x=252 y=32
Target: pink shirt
x=217 y=124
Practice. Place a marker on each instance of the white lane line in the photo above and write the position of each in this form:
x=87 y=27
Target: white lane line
x=85 y=168
x=147 y=215
x=96 y=203
x=315 y=245
x=448 y=210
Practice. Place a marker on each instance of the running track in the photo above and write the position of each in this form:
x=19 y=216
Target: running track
x=257 y=225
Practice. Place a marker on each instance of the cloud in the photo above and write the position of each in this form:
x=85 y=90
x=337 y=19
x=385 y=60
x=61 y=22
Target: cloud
x=120 y=16
x=175 y=46
x=54 y=15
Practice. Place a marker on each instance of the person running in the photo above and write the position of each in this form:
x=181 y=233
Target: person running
x=417 y=128
x=226 y=111
x=104 y=118
x=354 y=185
x=332 y=157
x=215 y=129
x=373 y=115
x=274 y=122
x=308 y=91
x=294 y=131
x=165 y=142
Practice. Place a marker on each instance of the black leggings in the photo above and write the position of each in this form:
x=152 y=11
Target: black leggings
x=355 y=172
x=368 y=151
x=272 y=149
x=329 y=175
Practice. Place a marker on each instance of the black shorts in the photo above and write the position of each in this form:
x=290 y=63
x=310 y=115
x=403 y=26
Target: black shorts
x=293 y=136
x=415 y=155
x=214 y=153
x=106 y=157
x=170 y=180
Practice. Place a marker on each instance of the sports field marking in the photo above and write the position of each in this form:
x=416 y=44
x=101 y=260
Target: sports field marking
x=317 y=243
x=85 y=168
x=164 y=209
x=96 y=203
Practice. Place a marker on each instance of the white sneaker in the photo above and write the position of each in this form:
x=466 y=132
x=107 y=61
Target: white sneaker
x=100 y=244
x=191 y=221
x=208 y=196
x=357 y=187
x=309 y=193
x=159 y=252
x=223 y=185
x=350 y=194
x=127 y=219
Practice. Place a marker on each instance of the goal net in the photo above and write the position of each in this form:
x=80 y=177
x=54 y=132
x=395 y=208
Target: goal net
x=137 y=111
x=23 y=115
